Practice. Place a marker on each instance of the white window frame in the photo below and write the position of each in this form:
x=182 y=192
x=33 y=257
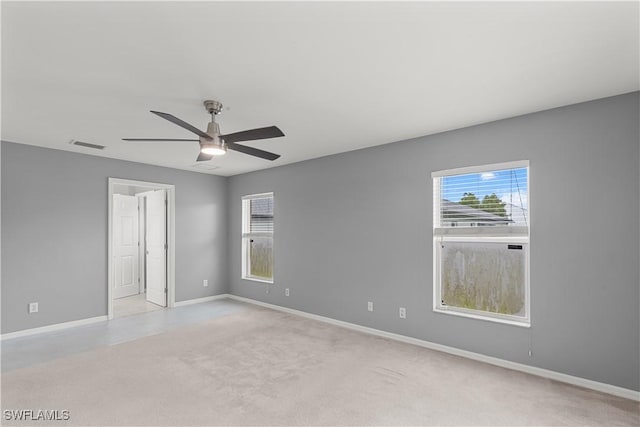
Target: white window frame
x=247 y=236
x=496 y=234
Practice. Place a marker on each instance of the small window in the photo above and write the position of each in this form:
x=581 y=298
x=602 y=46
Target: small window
x=257 y=237
x=481 y=242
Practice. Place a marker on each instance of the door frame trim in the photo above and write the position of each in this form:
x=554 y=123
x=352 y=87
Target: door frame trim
x=171 y=237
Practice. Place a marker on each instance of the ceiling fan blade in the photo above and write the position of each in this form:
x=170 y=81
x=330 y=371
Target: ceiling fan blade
x=159 y=140
x=204 y=157
x=252 y=134
x=182 y=124
x=252 y=151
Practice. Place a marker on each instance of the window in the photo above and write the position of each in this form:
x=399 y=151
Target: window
x=257 y=237
x=481 y=242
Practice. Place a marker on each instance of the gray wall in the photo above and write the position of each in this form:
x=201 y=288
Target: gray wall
x=54 y=233
x=356 y=227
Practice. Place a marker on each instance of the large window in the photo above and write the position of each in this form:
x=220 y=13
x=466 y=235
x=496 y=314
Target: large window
x=257 y=237
x=481 y=242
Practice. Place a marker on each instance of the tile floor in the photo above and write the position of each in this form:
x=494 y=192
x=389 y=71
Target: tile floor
x=134 y=304
x=26 y=351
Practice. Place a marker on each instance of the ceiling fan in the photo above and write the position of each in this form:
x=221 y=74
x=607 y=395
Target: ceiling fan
x=212 y=143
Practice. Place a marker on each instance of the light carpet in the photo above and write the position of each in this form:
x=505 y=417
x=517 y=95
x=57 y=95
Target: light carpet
x=263 y=367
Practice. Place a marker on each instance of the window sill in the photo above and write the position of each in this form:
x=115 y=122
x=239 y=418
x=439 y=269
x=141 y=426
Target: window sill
x=453 y=312
x=257 y=279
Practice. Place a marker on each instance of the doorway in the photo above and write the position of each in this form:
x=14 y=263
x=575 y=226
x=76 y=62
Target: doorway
x=141 y=248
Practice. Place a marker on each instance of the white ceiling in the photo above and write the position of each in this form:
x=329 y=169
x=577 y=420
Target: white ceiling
x=334 y=77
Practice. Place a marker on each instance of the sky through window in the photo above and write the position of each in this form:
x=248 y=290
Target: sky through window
x=509 y=185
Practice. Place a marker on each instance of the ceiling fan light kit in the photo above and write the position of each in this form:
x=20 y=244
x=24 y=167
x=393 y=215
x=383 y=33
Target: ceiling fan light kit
x=214 y=149
x=212 y=142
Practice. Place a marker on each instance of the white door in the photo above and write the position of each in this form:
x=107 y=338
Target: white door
x=156 y=275
x=125 y=244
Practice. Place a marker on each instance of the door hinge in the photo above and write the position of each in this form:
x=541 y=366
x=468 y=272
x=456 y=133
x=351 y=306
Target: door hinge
x=165 y=290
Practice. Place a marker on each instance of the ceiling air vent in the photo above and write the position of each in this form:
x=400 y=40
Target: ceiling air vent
x=88 y=145
x=205 y=166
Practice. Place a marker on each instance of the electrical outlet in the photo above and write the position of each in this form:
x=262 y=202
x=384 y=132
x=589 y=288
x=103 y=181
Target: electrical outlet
x=33 y=307
x=286 y=292
x=370 y=306
x=205 y=283
x=403 y=313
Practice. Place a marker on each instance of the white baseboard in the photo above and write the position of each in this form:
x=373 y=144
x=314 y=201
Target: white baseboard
x=199 y=300
x=545 y=373
x=51 y=328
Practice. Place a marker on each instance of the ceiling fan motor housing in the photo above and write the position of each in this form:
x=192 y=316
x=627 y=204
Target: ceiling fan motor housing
x=216 y=144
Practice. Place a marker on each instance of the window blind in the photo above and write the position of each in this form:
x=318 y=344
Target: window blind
x=488 y=198
x=261 y=215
